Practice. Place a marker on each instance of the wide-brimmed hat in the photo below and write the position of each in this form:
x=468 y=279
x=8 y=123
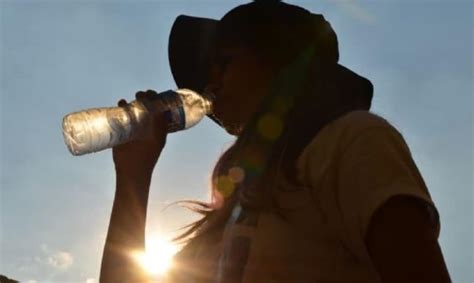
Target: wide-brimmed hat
x=190 y=50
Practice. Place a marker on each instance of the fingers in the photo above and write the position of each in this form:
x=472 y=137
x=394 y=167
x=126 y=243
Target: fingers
x=149 y=94
x=139 y=95
x=142 y=96
x=122 y=103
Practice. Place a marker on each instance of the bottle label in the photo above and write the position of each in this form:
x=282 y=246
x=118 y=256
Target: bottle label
x=173 y=111
x=175 y=119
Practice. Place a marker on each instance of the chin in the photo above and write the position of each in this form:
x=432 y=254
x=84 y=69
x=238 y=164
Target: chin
x=231 y=128
x=234 y=129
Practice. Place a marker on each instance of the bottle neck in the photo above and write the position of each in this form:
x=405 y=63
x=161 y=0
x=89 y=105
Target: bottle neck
x=208 y=99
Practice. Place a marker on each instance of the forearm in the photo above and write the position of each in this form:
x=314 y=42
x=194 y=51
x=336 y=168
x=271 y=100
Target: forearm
x=134 y=162
x=126 y=232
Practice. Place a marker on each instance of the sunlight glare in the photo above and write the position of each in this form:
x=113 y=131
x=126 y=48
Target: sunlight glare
x=158 y=257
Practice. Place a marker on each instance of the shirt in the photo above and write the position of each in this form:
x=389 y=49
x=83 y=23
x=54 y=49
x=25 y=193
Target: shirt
x=353 y=166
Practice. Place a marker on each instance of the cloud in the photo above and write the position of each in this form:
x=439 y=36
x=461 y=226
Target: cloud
x=60 y=260
x=44 y=248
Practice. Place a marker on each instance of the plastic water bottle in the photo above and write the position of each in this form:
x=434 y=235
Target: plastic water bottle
x=96 y=129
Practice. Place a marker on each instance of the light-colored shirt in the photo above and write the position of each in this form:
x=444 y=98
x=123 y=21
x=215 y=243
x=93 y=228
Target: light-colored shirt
x=351 y=168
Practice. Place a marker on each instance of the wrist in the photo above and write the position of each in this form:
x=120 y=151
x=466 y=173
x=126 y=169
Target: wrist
x=134 y=172
x=133 y=179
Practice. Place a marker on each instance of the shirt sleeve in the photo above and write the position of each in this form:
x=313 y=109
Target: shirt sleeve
x=375 y=166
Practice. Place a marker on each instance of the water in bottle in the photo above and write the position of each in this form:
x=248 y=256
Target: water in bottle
x=96 y=129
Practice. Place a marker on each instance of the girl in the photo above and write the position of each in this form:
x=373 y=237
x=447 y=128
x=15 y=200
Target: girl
x=315 y=188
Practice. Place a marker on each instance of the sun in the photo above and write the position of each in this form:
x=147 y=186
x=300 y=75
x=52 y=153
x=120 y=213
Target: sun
x=158 y=256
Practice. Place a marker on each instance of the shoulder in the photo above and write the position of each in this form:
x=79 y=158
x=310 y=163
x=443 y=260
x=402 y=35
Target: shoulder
x=360 y=133
x=364 y=126
x=355 y=123
x=341 y=132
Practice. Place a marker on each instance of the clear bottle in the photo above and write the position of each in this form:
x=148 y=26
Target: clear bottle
x=96 y=129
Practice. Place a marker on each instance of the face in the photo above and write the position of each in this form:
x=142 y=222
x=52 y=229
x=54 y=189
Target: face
x=239 y=81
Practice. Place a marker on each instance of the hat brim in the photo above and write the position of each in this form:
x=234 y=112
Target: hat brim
x=191 y=46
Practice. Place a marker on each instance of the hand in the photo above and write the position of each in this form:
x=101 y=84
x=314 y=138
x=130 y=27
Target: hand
x=138 y=157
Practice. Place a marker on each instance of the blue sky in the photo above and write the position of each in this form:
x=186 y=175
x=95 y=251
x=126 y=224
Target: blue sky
x=62 y=56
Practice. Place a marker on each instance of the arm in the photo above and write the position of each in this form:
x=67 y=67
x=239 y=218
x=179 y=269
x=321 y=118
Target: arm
x=402 y=244
x=126 y=231
x=134 y=163
x=386 y=205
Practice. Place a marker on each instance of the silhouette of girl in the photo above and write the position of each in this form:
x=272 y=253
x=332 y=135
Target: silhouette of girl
x=316 y=188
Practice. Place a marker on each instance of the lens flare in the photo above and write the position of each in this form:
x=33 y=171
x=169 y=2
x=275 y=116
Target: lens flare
x=225 y=186
x=236 y=174
x=158 y=256
x=270 y=126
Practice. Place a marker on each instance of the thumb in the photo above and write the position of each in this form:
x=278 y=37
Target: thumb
x=122 y=103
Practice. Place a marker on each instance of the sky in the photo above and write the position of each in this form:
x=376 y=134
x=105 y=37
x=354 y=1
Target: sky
x=62 y=56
